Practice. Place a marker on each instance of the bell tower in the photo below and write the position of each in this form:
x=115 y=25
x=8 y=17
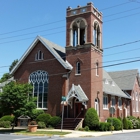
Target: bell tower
x=84 y=52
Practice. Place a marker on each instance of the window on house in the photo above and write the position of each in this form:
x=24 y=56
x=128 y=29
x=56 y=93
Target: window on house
x=78 y=68
x=105 y=102
x=97 y=106
x=113 y=102
x=137 y=106
x=133 y=95
x=120 y=103
x=39 y=55
x=136 y=95
x=133 y=107
x=97 y=69
x=39 y=80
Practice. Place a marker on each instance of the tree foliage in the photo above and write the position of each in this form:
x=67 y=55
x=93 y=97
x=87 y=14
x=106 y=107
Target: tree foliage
x=13 y=64
x=5 y=77
x=15 y=99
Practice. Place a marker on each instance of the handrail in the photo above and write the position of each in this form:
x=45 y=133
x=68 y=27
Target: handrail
x=77 y=116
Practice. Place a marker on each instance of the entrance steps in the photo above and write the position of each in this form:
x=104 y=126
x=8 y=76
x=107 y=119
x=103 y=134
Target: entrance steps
x=70 y=123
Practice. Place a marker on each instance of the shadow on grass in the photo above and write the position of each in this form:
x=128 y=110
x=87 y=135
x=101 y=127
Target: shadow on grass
x=3 y=131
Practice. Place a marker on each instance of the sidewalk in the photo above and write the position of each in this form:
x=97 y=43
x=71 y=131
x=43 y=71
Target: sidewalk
x=76 y=133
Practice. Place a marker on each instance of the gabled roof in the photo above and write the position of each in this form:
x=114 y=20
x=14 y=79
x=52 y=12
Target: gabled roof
x=77 y=92
x=124 y=79
x=114 y=89
x=57 y=51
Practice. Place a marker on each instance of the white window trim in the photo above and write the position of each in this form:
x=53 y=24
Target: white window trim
x=105 y=107
x=120 y=107
x=78 y=68
x=106 y=81
x=113 y=97
x=97 y=69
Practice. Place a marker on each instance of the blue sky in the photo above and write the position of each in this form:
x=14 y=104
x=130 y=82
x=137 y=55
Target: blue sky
x=22 y=20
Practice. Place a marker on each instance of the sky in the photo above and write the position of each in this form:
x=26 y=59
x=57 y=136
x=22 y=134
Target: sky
x=22 y=20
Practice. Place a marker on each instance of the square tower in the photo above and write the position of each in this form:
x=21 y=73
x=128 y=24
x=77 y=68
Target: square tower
x=84 y=52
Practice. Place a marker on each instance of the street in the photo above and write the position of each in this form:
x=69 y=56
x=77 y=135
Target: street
x=126 y=136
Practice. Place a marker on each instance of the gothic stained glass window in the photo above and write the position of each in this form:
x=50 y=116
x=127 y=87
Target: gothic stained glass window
x=39 y=80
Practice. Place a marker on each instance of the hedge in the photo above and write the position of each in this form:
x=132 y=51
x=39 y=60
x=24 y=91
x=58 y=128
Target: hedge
x=7 y=118
x=54 y=121
x=116 y=123
x=45 y=117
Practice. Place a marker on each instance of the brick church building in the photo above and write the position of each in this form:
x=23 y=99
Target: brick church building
x=76 y=71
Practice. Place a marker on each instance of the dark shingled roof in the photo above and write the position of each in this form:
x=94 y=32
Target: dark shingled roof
x=124 y=79
x=112 y=89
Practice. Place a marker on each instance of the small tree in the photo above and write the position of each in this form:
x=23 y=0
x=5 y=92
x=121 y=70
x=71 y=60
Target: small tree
x=5 y=77
x=91 y=119
x=13 y=64
x=15 y=99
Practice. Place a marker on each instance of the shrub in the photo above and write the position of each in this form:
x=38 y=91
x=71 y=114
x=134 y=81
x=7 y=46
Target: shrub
x=41 y=125
x=112 y=128
x=54 y=121
x=130 y=125
x=6 y=124
x=125 y=123
x=91 y=119
x=104 y=126
x=7 y=118
x=86 y=128
x=1 y=123
x=33 y=123
x=116 y=123
x=135 y=122
x=43 y=118
x=35 y=113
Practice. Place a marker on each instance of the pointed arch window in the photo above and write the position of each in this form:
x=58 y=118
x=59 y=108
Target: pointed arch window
x=96 y=35
x=78 y=68
x=97 y=69
x=39 y=80
x=78 y=32
x=39 y=55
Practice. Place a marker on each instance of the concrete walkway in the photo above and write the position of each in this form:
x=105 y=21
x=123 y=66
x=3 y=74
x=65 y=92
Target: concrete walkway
x=76 y=133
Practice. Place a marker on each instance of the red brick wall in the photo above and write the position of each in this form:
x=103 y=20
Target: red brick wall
x=56 y=82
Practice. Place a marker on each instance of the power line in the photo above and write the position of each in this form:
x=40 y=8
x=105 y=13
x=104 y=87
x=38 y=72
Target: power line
x=55 y=21
x=114 y=6
x=32 y=27
x=32 y=32
x=128 y=43
x=122 y=17
x=92 y=51
x=90 y=68
x=30 y=38
x=122 y=12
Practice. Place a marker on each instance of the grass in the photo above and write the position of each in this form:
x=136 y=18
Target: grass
x=25 y=132
x=44 y=132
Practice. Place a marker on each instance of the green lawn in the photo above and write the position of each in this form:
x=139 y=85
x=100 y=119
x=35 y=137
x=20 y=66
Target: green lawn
x=23 y=131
